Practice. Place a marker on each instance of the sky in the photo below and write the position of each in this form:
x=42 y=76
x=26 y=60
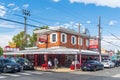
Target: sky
x=65 y=13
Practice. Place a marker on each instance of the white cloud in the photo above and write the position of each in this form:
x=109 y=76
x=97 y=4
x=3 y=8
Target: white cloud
x=16 y=8
x=108 y=3
x=55 y=0
x=11 y=4
x=112 y=22
x=111 y=40
x=7 y=25
x=2 y=10
x=25 y=6
x=88 y=22
x=5 y=39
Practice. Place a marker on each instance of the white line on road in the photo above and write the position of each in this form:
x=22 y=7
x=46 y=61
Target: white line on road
x=27 y=74
x=36 y=72
x=6 y=74
x=1 y=77
x=116 y=76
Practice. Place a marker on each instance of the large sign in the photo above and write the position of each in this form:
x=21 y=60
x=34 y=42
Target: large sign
x=10 y=49
x=42 y=38
x=93 y=44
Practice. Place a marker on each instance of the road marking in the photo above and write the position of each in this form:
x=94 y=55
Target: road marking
x=1 y=77
x=27 y=74
x=34 y=72
x=116 y=76
x=6 y=74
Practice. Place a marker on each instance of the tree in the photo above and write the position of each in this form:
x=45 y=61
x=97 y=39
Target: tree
x=19 y=39
x=1 y=51
x=118 y=52
x=33 y=38
x=43 y=27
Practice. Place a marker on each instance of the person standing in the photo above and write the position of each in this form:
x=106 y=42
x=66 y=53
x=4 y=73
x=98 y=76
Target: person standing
x=56 y=62
x=49 y=64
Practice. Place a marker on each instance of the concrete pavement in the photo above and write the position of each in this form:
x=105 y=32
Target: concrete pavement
x=61 y=69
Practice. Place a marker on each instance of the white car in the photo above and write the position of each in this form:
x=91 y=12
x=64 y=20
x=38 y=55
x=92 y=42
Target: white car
x=108 y=63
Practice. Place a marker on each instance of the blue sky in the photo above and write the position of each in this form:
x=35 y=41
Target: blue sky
x=66 y=13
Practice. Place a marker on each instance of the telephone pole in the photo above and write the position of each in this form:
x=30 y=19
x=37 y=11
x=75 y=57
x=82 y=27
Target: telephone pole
x=25 y=13
x=78 y=48
x=99 y=38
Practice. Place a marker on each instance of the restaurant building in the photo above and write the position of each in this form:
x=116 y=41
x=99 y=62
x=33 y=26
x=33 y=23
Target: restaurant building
x=62 y=43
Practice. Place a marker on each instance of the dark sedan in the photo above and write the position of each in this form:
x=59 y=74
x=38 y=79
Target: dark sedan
x=6 y=65
x=92 y=65
x=25 y=63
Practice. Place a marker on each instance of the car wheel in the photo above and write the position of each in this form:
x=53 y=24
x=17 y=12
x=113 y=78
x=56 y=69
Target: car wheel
x=94 y=69
x=83 y=70
x=4 y=70
x=103 y=68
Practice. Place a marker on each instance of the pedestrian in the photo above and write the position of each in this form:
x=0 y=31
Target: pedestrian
x=49 y=64
x=56 y=62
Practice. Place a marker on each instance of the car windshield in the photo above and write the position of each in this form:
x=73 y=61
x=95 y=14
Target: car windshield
x=23 y=60
x=105 y=61
x=13 y=59
x=8 y=61
x=90 y=61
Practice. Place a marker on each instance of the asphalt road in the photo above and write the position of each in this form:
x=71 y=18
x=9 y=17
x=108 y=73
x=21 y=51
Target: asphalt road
x=107 y=74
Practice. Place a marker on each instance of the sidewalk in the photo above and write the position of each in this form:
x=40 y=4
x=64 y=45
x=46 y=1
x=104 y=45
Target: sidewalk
x=61 y=69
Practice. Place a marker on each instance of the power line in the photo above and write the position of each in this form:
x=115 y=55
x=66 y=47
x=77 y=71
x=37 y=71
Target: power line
x=111 y=43
x=18 y=22
x=115 y=36
x=23 y=23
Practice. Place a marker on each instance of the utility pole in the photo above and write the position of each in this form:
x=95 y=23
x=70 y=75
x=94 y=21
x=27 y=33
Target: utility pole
x=25 y=13
x=79 y=41
x=99 y=38
x=78 y=47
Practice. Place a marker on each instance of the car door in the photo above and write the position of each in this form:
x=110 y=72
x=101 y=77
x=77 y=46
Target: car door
x=1 y=66
x=100 y=65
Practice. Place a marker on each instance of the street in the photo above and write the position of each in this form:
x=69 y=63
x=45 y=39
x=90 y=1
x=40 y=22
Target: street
x=107 y=74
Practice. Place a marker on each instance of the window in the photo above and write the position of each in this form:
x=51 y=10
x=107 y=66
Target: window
x=63 y=38
x=73 y=40
x=53 y=37
x=87 y=42
x=80 y=41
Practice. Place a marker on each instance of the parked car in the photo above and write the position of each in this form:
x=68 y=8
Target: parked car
x=92 y=65
x=6 y=65
x=25 y=63
x=0 y=67
x=116 y=62
x=108 y=63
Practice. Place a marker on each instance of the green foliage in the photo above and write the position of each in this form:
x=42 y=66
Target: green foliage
x=31 y=40
x=118 y=52
x=43 y=27
x=20 y=40
x=1 y=51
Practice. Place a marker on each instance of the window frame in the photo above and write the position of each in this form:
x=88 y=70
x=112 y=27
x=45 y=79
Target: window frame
x=64 y=37
x=80 y=41
x=87 y=42
x=74 y=40
x=51 y=38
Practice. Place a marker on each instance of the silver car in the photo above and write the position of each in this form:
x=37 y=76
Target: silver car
x=108 y=63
